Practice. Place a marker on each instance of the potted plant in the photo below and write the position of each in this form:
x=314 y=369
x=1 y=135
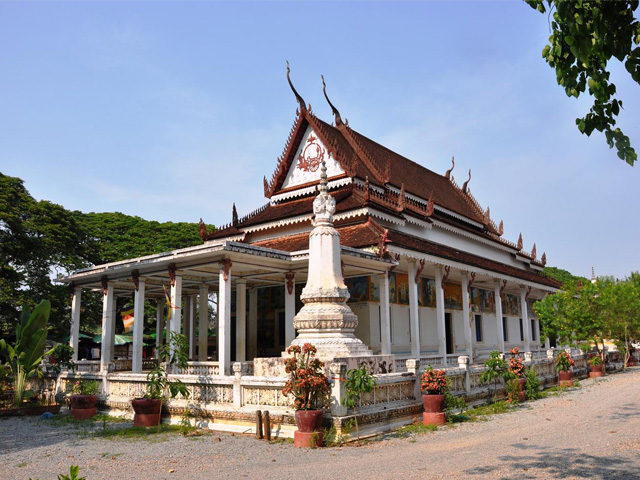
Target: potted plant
x=434 y=386
x=84 y=397
x=516 y=372
x=26 y=355
x=358 y=382
x=596 y=367
x=564 y=362
x=148 y=409
x=309 y=387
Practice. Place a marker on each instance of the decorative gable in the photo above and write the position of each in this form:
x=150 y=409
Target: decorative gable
x=306 y=165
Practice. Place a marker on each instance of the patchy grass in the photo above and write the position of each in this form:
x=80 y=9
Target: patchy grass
x=153 y=434
x=23 y=464
x=103 y=419
x=415 y=429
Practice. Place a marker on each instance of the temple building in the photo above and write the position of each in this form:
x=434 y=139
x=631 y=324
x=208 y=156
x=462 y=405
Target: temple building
x=429 y=274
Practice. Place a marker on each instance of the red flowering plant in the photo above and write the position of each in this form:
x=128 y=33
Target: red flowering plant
x=434 y=382
x=516 y=367
x=564 y=362
x=307 y=381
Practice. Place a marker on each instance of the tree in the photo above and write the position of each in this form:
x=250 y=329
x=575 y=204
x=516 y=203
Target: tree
x=585 y=36
x=38 y=241
x=561 y=275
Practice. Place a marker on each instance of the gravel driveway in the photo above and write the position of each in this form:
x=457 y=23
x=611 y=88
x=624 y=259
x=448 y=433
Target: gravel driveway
x=593 y=433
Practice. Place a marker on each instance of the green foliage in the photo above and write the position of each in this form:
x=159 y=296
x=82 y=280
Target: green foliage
x=359 y=381
x=25 y=356
x=451 y=402
x=85 y=387
x=416 y=429
x=496 y=368
x=532 y=384
x=307 y=382
x=513 y=391
x=74 y=471
x=561 y=275
x=40 y=237
x=116 y=236
x=158 y=382
x=585 y=36
x=61 y=357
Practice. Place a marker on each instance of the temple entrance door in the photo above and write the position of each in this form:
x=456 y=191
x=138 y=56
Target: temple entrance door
x=448 y=329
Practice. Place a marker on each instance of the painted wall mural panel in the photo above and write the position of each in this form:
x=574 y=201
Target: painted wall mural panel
x=511 y=305
x=452 y=296
x=482 y=300
x=358 y=288
x=402 y=287
x=427 y=292
x=374 y=289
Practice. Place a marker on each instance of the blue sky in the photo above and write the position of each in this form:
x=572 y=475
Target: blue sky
x=172 y=111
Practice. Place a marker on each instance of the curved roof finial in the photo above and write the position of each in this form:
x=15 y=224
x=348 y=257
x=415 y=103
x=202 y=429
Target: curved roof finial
x=300 y=100
x=447 y=175
x=464 y=186
x=336 y=113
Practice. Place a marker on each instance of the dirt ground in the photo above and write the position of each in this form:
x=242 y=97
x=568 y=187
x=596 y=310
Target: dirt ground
x=589 y=433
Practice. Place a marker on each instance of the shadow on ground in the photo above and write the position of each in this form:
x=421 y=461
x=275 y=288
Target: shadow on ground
x=569 y=462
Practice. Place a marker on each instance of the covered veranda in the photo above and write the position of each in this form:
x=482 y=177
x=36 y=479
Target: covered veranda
x=183 y=283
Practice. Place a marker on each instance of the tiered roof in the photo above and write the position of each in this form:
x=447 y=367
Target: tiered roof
x=378 y=182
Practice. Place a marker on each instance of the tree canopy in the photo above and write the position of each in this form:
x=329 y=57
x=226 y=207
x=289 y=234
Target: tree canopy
x=40 y=241
x=585 y=36
x=590 y=312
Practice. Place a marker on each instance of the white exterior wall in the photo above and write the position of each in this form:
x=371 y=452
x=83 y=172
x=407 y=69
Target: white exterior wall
x=428 y=331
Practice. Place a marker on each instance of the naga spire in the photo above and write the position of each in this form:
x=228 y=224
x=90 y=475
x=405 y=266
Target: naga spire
x=336 y=113
x=520 y=242
x=501 y=228
x=303 y=107
x=464 y=186
x=234 y=215
x=447 y=175
x=534 y=252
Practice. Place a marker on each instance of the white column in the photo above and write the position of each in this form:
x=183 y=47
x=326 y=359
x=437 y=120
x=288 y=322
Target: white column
x=500 y=331
x=526 y=327
x=241 y=320
x=186 y=315
x=442 y=332
x=252 y=334
x=114 y=318
x=176 y=305
x=224 y=319
x=203 y=323
x=289 y=309
x=467 y=318
x=414 y=320
x=138 y=327
x=159 y=325
x=385 y=315
x=76 y=302
x=106 y=347
x=192 y=327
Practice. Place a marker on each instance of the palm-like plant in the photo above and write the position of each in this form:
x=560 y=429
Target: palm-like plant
x=25 y=356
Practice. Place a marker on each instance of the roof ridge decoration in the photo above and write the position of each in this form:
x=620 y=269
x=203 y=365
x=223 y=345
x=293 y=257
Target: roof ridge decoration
x=269 y=186
x=447 y=174
x=300 y=100
x=465 y=184
x=520 y=243
x=234 y=215
x=534 y=252
x=543 y=260
x=336 y=113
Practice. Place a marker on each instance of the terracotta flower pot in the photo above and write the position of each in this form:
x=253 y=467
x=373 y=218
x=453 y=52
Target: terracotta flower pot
x=595 y=371
x=433 y=410
x=309 y=433
x=147 y=412
x=83 y=406
x=565 y=379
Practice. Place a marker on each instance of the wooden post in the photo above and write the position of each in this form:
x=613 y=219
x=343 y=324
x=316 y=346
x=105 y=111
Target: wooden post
x=258 y=424
x=267 y=426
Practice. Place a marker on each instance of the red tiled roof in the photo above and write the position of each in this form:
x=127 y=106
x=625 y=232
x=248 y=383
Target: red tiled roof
x=361 y=157
x=368 y=233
